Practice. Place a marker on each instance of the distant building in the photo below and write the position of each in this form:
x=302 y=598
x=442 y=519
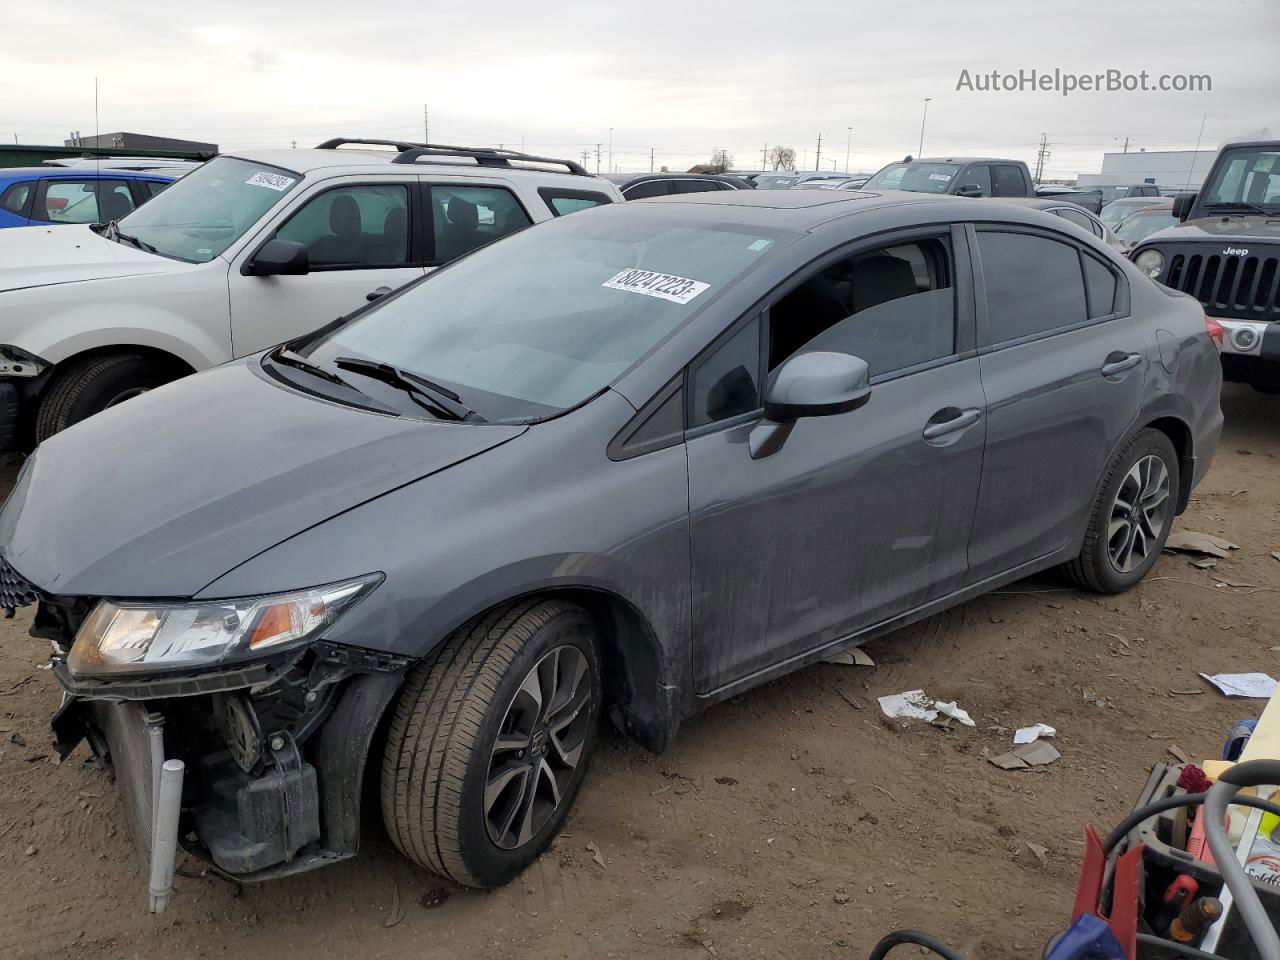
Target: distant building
x=1174 y=170
x=140 y=142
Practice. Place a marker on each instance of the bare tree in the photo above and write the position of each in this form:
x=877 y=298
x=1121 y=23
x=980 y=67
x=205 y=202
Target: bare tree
x=721 y=162
x=783 y=158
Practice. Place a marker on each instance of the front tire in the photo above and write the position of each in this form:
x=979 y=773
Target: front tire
x=1131 y=517
x=93 y=384
x=489 y=742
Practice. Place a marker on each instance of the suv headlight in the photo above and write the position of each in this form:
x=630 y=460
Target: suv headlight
x=118 y=638
x=1150 y=262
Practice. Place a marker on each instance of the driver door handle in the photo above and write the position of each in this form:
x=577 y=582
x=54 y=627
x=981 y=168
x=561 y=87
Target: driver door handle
x=1117 y=363
x=949 y=420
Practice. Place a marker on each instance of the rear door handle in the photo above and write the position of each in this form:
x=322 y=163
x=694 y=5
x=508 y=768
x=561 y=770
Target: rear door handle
x=1118 y=363
x=949 y=420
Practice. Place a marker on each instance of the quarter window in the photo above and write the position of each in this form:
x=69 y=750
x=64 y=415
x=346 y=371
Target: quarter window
x=15 y=198
x=892 y=306
x=727 y=383
x=1008 y=181
x=468 y=217
x=1100 y=284
x=1079 y=219
x=1034 y=286
x=362 y=226
x=561 y=202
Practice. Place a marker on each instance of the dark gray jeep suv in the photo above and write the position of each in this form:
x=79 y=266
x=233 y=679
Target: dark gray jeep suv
x=632 y=461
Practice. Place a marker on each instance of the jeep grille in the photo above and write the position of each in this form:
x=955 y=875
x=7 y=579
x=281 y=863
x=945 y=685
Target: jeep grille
x=1229 y=286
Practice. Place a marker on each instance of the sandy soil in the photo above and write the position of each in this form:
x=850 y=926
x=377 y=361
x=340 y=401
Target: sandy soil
x=785 y=823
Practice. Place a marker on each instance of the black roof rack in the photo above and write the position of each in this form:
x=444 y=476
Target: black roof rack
x=483 y=156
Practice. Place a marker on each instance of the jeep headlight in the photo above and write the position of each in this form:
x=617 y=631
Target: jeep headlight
x=119 y=638
x=1150 y=262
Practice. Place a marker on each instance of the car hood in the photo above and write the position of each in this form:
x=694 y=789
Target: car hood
x=43 y=256
x=162 y=495
x=1219 y=229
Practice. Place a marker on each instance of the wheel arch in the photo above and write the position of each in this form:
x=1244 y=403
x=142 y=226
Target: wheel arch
x=1179 y=434
x=178 y=364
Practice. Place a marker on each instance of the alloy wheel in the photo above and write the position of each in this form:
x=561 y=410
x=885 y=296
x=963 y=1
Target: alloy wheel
x=538 y=747
x=1138 y=514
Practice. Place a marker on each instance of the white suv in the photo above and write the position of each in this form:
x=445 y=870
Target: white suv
x=241 y=254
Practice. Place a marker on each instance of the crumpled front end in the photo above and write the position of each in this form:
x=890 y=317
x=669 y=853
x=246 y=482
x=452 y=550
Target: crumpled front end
x=274 y=748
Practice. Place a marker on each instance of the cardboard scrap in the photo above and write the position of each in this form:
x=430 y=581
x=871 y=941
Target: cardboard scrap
x=1036 y=754
x=1190 y=541
x=857 y=657
x=1256 y=686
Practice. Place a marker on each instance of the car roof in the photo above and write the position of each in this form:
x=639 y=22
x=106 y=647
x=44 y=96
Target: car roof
x=307 y=160
x=960 y=160
x=80 y=173
x=625 y=178
x=1042 y=203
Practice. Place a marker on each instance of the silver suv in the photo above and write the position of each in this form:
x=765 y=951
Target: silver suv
x=243 y=253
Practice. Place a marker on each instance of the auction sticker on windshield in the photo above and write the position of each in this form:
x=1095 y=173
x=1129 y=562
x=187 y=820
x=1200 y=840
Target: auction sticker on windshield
x=652 y=284
x=273 y=181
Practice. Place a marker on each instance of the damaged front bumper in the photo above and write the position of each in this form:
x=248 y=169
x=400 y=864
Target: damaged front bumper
x=275 y=751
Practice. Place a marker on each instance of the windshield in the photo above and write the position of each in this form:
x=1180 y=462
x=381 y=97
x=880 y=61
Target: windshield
x=1247 y=176
x=1113 y=213
x=775 y=182
x=544 y=319
x=212 y=207
x=916 y=177
x=1140 y=225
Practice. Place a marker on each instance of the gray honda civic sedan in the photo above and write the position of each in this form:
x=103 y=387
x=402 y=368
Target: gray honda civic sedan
x=628 y=462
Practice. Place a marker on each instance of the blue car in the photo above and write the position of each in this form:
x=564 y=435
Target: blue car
x=33 y=196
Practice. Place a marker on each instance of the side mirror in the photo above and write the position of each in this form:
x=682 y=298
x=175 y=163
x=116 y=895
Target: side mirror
x=817 y=384
x=1182 y=204
x=280 y=258
x=969 y=190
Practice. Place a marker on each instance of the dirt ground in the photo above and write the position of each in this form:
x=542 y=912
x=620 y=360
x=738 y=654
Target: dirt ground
x=784 y=823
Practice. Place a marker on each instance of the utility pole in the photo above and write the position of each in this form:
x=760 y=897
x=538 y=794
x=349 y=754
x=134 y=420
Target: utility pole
x=598 y=157
x=764 y=156
x=586 y=154
x=1042 y=155
x=848 y=145
x=817 y=161
x=611 y=150
x=651 y=159
x=923 y=117
x=426 y=124
x=1126 y=144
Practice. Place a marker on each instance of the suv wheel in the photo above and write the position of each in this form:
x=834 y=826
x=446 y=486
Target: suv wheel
x=91 y=385
x=489 y=742
x=1132 y=516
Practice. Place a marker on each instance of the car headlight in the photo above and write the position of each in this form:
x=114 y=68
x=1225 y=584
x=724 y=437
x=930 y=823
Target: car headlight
x=123 y=637
x=1150 y=262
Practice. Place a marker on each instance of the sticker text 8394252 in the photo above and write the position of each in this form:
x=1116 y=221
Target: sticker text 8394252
x=652 y=284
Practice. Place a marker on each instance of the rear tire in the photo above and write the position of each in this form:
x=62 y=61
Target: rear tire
x=481 y=765
x=1131 y=517
x=90 y=385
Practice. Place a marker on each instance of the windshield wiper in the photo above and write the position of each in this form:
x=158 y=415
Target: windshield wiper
x=1238 y=205
x=112 y=232
x=290 y=359
x=427 y=393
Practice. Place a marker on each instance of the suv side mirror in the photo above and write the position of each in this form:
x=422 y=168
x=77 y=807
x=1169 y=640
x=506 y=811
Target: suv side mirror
x=280 y=258
x=969 y=190
x=1182 y=205
x=817 y=384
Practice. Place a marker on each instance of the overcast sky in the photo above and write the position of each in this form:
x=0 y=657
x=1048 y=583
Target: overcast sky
x=684 y=79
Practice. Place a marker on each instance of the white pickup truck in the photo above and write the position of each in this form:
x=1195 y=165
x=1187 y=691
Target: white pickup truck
x=241 y=254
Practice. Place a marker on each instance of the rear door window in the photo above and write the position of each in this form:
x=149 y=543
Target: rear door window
x=696 y=186
x=1034 y=286
x=648 y=188
x=464 y=218
x=1007 y=181
x=1079 y=219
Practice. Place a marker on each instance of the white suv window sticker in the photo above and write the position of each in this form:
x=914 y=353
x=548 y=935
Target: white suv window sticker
x=944 y=177
x=664 y=286
x=273 y=181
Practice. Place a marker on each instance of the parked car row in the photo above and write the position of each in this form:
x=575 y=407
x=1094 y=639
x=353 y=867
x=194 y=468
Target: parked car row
x=52 y=195
x=432 y=541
